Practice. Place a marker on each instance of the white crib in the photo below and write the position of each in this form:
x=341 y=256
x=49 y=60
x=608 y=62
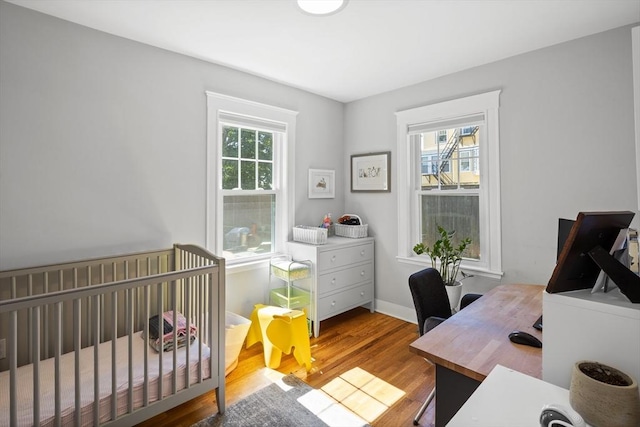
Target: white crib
x=76 y=352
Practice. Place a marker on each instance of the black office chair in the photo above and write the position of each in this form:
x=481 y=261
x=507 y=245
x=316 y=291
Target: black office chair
x=432 y=308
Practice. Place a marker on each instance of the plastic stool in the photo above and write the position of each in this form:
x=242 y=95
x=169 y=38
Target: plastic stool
x=280 y=329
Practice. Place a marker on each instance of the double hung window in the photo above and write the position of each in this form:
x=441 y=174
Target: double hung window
x=249 y=152
x=452 y=153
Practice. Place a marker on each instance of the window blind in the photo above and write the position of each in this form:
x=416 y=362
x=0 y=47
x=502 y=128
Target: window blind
x=471 y=120
x=252 y=122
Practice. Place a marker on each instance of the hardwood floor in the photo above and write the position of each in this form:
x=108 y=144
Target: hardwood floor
x=377 y=343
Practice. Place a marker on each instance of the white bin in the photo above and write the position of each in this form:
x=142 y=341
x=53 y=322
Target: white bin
x=237 y=328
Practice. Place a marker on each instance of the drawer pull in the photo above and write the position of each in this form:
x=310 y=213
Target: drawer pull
x=333 y=281
x=333 y=258
x=333 y=303
x=362 y=252
x=362 y=273
x=362 y=293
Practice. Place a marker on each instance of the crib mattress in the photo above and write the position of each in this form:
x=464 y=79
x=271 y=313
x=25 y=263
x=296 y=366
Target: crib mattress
x=67 y=361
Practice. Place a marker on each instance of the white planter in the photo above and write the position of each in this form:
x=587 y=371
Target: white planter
x=454 y=292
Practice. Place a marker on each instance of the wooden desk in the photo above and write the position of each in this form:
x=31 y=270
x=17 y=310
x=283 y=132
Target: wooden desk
x=467 y=346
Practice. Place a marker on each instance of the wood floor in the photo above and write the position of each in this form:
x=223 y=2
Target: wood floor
x=377 y=343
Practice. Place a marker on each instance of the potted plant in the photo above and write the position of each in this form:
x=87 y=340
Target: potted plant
x=448 y=256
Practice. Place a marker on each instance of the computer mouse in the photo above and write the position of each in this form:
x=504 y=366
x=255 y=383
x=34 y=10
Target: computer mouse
x=525 y=338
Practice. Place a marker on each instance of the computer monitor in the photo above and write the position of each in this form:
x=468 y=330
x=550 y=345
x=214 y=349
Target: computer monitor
x=586 y=252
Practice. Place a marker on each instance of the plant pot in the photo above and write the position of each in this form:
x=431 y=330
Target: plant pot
x=604 y=396
x=454 y=292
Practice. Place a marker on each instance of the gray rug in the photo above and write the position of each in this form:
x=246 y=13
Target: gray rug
x=270 y=406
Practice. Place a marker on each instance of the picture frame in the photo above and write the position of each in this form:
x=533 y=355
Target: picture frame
x=322 y=184
x=371 y=172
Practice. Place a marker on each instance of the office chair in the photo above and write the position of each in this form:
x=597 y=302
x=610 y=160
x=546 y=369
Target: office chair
x=432 y=308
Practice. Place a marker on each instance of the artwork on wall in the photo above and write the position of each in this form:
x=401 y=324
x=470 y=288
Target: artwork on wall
x=371 y=172
x=322 y=184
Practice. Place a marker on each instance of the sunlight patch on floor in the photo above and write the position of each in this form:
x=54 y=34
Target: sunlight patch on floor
x=354 y=398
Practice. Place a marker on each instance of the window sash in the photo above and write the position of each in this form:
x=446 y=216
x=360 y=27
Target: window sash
x=245 y=113
x=459 y=112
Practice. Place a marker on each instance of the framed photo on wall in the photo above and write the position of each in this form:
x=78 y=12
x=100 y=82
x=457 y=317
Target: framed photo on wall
x=322 y=184
x=371 y=172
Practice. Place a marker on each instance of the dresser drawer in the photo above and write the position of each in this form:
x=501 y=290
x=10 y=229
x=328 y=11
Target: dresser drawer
x=344 y=256
x=338 y=279
x=337 y=303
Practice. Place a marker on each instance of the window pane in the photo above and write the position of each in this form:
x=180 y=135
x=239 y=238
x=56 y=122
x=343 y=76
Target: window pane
x=265 y=146
x=248 y=175
x=229 y=141
x=449 y=159
x=265 y=175
x=248 y=150
x=229 y=174
x=248 y=224
x=458 y=212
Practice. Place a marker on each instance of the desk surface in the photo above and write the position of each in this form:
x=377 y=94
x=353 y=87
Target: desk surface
x=474 y=340
x=494 y=403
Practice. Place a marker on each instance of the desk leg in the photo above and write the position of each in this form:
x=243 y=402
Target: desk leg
x=452 y=391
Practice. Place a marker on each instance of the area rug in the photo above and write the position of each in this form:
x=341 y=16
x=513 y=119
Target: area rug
x=288 y=402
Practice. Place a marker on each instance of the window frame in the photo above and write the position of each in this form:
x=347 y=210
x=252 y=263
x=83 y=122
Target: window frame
x=409 y=160
x=250 y=114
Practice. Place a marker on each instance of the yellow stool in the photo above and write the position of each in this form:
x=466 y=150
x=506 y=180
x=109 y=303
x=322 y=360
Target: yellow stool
x=280 y=329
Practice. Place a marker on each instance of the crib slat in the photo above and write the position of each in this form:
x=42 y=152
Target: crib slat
x=145 y=389
x=114 y=336
x=187 y=315
x=159 y=309
x=36 y=365
x=174 y=375
x=77 y=306
x=57 y=314
x=96 y=361
x=130 y=332
x=13 y=367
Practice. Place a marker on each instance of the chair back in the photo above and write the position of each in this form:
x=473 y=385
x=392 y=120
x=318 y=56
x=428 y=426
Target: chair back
x=429 y=296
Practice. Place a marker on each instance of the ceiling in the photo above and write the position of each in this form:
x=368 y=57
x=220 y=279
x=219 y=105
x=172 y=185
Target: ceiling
x=370 y=47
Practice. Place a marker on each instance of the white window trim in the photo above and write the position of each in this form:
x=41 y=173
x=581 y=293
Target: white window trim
x=408 y=180
x=219 y=103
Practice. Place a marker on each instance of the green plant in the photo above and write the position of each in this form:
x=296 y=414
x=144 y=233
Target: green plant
x=444 y=251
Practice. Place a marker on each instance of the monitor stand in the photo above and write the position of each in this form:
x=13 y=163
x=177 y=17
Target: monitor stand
x=626 y=280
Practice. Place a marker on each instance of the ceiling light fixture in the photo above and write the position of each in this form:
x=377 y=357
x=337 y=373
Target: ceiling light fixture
x=321 y=7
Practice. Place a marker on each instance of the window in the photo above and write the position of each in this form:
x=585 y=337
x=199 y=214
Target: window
x=248 y=161
x=462 y=191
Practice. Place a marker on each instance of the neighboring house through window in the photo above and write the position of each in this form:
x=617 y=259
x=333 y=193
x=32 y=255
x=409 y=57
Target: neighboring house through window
x=249 y=157
x=453 y=150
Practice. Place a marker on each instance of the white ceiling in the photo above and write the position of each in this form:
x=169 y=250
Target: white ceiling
x=370 y=47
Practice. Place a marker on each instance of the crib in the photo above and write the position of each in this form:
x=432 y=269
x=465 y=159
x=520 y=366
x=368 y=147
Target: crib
x=78 y=341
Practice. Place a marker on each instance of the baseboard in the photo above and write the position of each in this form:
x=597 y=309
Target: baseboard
x=398 y=311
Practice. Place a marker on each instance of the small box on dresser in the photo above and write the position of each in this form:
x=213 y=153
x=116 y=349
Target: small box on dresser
x=342 y=275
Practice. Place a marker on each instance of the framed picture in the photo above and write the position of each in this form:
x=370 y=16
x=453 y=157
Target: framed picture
x=371 y=172
x=322 y=184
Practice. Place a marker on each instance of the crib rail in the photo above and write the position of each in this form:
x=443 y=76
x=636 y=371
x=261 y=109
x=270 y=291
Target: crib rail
x=80 y=307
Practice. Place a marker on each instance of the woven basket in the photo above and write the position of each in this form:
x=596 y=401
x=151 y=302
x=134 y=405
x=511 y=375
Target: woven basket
x=308 y=234
x=352 y=231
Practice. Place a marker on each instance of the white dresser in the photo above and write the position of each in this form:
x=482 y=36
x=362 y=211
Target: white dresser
x=342 y=275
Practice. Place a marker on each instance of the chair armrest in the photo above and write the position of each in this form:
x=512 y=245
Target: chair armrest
x=432 y=322
x=468 y=299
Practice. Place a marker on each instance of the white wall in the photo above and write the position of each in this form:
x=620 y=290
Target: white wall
x=567 y=145
x=102 y=144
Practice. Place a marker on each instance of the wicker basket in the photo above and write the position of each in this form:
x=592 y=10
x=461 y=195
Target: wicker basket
x=312 y=235
x=352 y=231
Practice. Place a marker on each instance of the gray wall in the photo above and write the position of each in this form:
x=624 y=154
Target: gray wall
x=102 y=147
x=102 y=144
x=566 y=140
